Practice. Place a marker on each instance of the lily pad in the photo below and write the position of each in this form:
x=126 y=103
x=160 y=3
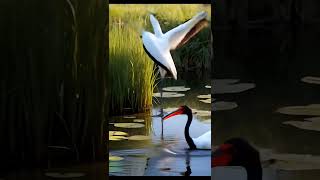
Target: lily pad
x=311 y=110
x=226 y=86
x=117 y=133
x=65 y=174
x=205 y=96
x=207 y=101
x=115 y=158
x=117 y=138
x=224 y=81
x=201 y=112
x=284 y=161
x=129 y=125
x=139 y=138
x=138 y=120
x=309 y=124
x=129 y=117
x=293 y=162
x=311 y=80
x=168 y=95
x=176 y=89
x=223 y=105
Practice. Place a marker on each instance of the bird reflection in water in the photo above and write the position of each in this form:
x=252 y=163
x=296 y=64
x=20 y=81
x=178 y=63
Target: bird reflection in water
x=188 y=172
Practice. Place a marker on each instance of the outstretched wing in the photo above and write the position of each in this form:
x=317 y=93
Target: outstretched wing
x=156 y=26
x=179 y=35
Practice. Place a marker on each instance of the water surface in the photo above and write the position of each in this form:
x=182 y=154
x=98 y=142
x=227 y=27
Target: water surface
x=275 y=59
x=165 y=154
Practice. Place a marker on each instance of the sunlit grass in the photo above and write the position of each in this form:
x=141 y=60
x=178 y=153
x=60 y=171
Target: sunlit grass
x=131 y=73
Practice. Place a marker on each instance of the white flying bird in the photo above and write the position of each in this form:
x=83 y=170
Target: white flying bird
x=158 y=45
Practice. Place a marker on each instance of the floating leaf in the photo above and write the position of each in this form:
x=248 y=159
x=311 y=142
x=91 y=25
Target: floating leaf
x=129 y=125
x=311 y=80
x=201 y=112
x=206 y=96
x=293 y=162
x=315 y=119
x=207 y=101
x=233 y=88
x=308 y=124
x=176 y=89
x=168 y=95
x=224 y=81
x=283 y=161
x=224 y=86
x=311 y=110
x=117 y=138
x=138 y=120
x=115 y=158
x=117 y=133
x=139 y=138
x=129 y=117
x=222 y=105
x=65 y=174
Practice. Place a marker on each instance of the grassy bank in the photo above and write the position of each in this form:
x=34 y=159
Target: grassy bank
x=132 y=74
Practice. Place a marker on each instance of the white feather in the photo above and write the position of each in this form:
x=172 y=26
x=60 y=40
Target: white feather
x=156 y=26
x=176 y=35
x=203 y=141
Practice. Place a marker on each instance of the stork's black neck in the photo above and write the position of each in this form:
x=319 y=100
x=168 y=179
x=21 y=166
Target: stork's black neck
x=186 y=132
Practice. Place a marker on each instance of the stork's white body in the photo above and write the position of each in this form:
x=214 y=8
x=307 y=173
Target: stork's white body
x=203 y=141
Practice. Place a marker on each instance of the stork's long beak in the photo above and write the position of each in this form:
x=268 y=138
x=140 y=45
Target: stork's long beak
x=222 y=156
x=174 y=113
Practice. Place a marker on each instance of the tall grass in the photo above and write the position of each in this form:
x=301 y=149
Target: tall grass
x=131 y=72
